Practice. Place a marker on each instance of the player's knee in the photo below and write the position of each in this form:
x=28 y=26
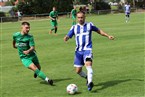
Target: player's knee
x=39 y=67
x=88 y=59
x=78 y=71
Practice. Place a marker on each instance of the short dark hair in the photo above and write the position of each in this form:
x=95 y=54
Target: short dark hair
x=81 y=12
x=25 y=23
x=54 y=7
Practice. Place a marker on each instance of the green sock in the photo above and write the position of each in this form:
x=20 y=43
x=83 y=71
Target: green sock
x=55 y=30
x=40 y=74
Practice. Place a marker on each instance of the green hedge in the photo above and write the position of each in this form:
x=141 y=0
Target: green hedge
x=2 y=14
x=44 y=6
x=9 y=19
x=102 y=6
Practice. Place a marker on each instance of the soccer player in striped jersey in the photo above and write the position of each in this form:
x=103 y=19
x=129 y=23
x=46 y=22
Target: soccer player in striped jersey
x=83 y=52
x=24 y=42
x=127 y=12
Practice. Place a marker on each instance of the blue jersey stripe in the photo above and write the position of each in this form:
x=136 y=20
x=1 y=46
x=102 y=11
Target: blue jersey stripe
x=78 y=29
x=83 y=35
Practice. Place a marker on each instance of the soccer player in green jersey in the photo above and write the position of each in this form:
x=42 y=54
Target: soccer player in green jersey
x=24 y=42
x=73 y=14
x=53 y=16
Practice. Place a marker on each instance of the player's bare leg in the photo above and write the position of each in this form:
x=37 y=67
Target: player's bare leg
x=80 y=72
x=55 y=31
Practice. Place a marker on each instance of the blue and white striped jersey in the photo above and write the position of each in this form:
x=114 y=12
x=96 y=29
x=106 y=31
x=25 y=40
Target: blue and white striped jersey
x=127 y=8
x=83 y=35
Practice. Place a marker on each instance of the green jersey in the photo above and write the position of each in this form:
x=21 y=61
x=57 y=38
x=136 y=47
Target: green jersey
x=53 y=14
x=74 y=13
x=23 y=43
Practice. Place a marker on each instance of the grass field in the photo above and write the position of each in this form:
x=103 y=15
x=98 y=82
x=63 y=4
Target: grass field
x=118 y=65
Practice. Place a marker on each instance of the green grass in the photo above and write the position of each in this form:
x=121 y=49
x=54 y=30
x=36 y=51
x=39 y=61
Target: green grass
x=118 y=65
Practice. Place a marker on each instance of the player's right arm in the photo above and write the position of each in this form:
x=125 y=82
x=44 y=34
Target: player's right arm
x=14 y=44
x=125 y=8
x=31 y=49
x=71 y=13
x=70 y=34
x=14 y=41
x=66 y=38
x=50 y=16
x=32 y=46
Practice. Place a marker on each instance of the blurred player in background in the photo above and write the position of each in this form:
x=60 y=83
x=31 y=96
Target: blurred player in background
x=127 y=12
x=24 y=42
x=54 y=17
x=73 y=15
x=83 y=52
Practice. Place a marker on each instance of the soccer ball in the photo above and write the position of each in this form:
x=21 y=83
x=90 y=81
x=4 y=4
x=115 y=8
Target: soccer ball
x=72 y=89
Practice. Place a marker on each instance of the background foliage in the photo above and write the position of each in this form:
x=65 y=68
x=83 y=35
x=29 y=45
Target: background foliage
x=44 y=6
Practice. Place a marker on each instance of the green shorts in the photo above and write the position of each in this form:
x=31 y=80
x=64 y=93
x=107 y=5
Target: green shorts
x=28 y=61
x=53 y=23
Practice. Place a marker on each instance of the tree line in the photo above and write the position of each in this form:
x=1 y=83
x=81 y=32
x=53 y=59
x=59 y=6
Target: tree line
x=42 y=6
x=45 y=6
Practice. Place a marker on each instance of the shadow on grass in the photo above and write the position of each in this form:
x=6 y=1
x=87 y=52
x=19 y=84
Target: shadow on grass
x=78 y=93
x=55 y=81
x=111 y=84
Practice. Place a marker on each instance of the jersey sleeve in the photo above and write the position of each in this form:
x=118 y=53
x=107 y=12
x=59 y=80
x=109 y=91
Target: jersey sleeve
x=124 y=7
x=57 y=13
x=71 y=32
x=14 y=37
x=94 y=28
x=31 y=42
x=72 y=11
x=50 y=14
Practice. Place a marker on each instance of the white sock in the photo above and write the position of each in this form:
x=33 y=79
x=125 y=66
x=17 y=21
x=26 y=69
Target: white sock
x=46 y=79
x=126 y=19
x=89 y=73
x=82 y=74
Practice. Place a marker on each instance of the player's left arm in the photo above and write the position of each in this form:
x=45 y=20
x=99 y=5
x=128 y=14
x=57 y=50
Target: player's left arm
x=101 y=32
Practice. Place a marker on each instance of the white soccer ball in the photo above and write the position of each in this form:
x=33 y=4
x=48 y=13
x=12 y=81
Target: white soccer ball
x=72 y=89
